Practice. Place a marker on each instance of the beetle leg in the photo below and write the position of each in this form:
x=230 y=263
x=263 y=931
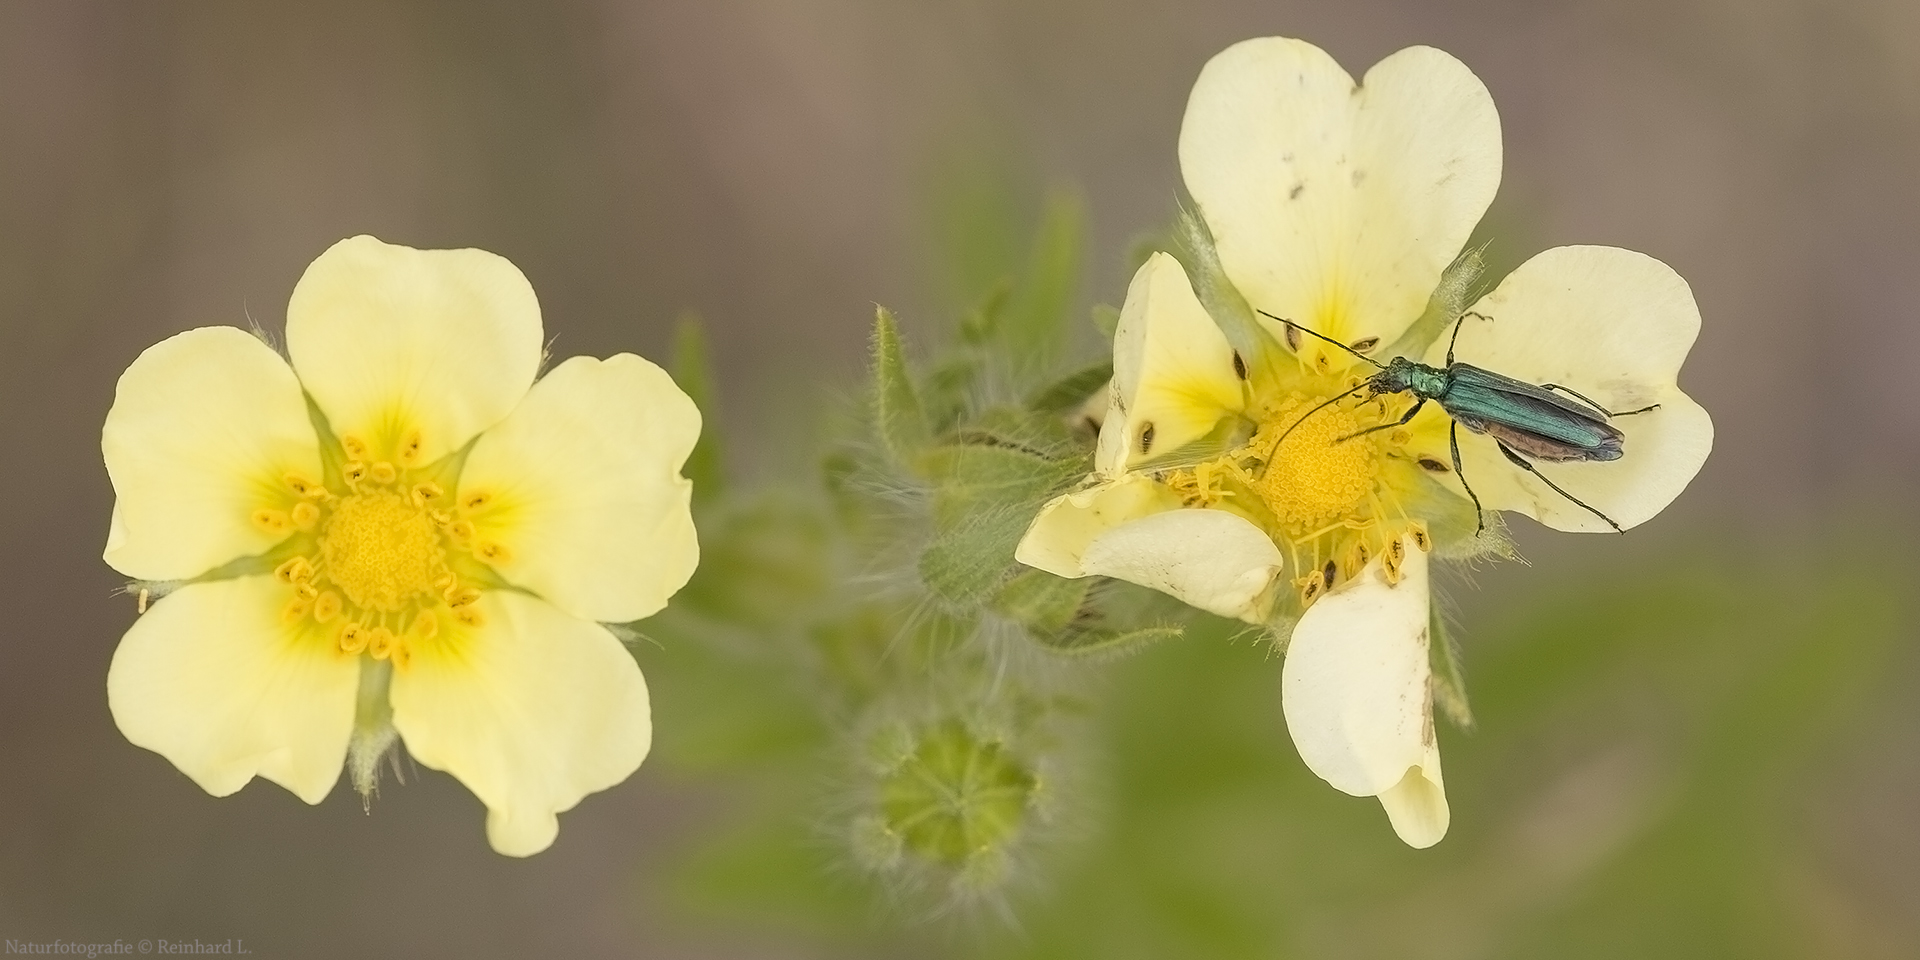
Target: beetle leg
x=1590 y=401
x=1456 y=330
x=1526 y=465
x=1403 y=421
x=1479 y=513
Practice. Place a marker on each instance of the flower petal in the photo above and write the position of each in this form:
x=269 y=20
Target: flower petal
x=533 y=710
x=390 y=340
x=212 y=680
x=1174 y=374
x=1356 y=692
x=1058 y=538
x=205 y=425
x=1334 y=205
x=1616 y=326
x=1210 y=559
x=584 y=492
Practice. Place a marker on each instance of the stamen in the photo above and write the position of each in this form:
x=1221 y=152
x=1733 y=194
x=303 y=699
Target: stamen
x=461 y=530
x=492 y=552
x=425 y=625
x=355 y=447
x=272 y=521
x=1418 y=530
x=425 y=493
x=1390 y=563
x=462 y=597
x=380 y=643
x=353 y=637
x=469 y=615
x=402 y=654
x=295 y=610
x=477 y=500
x=383 y=472
x=305 y=487
x=307 y=590
x=353 y=471
x=305 y=515
x=295 y=570
x=410 y=447
x=326 y=606
x=1311 y=587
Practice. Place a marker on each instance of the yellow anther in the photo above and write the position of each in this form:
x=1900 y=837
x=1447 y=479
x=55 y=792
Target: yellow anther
x=379 y=643
x=1400 y=437
x=326 y=606
x=352 y=637
x=295 y=610
x=1390 y=562
x=353 y=471
x=469 y=615
x=476 y=500
x=426 y=625
x=491 y=552
x=306 y=589
x=355 y=447
x=272 y=521
x=461 y=530
x=1418 y=531
x=140 y=604
x=294 y=570
x=1311 y=587
x=383 y=472
x=425 y=493
x=446 y=583
x=461 y=597
x=305 y=515
x=410 y=447
x=304 y=486
x=402 y=654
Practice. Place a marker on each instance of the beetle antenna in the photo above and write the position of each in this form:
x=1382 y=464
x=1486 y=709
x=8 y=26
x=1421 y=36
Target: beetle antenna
x=1328 y=339
x=1274 y=451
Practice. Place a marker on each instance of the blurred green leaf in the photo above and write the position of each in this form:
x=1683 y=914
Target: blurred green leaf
x=693 y=371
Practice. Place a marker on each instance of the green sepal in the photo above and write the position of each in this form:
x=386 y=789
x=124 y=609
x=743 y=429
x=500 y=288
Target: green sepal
x=1073 y=389
x=966 y=562
x=693 y=371
x=968 y=477
x=901 y=421
x=1042 y=602
x=1105 y=643
x=1451 y=297
x=1221 y=299
x=1449 y=680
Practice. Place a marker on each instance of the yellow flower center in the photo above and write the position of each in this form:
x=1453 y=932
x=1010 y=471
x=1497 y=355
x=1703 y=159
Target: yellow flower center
x=382 y=550
x=378 y=575
x=1319 y=475
x=1317 y=484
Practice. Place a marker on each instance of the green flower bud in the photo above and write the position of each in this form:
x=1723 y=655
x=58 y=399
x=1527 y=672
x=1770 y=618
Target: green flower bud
x=957 y=798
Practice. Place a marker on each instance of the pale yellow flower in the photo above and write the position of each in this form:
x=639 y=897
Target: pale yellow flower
x=1339 y=207
x=403 y=531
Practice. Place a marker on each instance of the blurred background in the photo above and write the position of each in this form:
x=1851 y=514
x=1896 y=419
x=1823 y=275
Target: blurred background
x=1699 y=740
